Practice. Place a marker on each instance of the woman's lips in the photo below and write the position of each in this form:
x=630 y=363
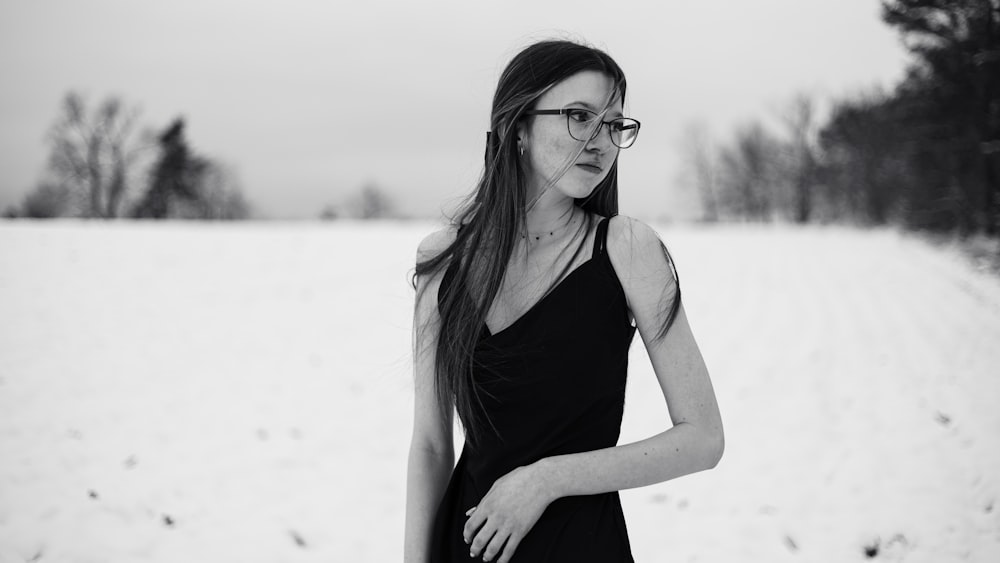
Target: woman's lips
x=592 y=168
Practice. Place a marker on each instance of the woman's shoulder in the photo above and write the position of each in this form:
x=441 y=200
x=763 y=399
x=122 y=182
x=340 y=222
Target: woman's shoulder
x=643 y=265
x=436 y=242
x=636 y=250
x=430 y=247
x=628 y=237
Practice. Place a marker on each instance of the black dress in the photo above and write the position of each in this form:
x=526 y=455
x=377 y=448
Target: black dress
x=552 y=383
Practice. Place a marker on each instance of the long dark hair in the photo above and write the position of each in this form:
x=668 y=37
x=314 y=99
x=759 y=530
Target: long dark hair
x=494 y=215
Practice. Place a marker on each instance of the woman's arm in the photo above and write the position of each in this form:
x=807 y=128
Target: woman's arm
x=432 y=453
x=695 y=441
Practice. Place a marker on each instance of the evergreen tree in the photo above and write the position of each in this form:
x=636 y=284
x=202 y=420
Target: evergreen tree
x=949 y=105
x=176 y=176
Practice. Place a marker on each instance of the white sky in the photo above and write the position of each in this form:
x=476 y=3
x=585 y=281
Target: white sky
x=310 y=99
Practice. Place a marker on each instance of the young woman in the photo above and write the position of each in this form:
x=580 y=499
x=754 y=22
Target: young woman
x=525 y=310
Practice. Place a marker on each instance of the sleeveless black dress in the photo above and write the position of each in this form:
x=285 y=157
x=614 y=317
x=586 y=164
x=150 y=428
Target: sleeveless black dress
x=552 y=383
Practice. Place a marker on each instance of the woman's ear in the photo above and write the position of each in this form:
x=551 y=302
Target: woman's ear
x=522 y=131
x=522 y=137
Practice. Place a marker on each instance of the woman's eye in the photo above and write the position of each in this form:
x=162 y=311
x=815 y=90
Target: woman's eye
x=580 y=115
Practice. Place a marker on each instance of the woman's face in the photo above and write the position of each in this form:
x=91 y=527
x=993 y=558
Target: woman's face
x=548 y=145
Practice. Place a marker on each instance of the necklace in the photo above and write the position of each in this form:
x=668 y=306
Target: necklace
x=552 y=232
x=536 y=237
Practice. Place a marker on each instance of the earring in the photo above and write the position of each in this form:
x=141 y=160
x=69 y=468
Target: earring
x=520 y=149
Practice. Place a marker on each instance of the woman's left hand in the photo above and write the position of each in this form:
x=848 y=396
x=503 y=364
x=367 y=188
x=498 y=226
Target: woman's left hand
x=507 y=512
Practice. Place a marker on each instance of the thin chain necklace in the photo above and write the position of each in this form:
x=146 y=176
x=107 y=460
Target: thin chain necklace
x=537 y=237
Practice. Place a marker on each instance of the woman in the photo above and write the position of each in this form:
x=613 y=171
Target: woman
x=525 y=311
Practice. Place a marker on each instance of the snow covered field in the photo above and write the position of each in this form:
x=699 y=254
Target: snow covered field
x=242 y=393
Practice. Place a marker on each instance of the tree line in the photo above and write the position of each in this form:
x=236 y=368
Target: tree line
x=99 y=166
x=925 y=155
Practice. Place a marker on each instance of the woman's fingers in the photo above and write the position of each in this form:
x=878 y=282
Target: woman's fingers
x=509 y=548
x=472 y=525
x=495 y=545
x=482 y=538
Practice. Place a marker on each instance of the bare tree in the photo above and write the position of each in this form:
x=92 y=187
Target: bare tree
x=219 y=196
x=864 y=161
x=801 y=156
x=701 y=167
x=747 y=174
x=92 y=156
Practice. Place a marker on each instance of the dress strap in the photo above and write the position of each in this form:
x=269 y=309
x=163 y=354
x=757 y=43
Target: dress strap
x=601 y=237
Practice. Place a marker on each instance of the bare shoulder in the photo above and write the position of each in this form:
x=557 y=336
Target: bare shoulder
x=435 y=243
x=633 y=244
x=646 y=273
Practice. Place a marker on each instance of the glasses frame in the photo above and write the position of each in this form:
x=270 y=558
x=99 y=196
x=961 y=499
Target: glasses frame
x=597 y=131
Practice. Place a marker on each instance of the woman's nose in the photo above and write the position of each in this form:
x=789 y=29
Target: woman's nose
x=602 y=141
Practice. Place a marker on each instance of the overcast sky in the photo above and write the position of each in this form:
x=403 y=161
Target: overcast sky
x=308 y=100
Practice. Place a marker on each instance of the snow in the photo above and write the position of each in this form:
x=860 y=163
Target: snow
x=242 y=392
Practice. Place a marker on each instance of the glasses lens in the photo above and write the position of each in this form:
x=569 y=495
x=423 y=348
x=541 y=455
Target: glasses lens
x=582 y=124
x=624 y=131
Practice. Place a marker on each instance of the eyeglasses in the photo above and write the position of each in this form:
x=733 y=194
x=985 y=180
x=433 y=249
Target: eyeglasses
x=623 y=130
